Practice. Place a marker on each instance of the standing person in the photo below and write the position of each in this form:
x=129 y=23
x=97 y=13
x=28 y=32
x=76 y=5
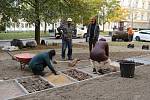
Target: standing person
x=93 y=33
x=130 y=34
x=100 y=54
x=67 y=31
x=40 y=61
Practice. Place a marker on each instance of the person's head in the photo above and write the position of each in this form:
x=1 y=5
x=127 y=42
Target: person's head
x=102 y=39
x=69 y=20
x=52 y=53
x=93 y=20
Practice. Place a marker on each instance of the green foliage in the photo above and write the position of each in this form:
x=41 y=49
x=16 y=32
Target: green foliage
x=34 y=11
x=9 y=9
x=111 y=11
x=2 y=28
x=107 y=10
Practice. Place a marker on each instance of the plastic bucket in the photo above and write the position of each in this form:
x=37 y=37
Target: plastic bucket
x=127 y=69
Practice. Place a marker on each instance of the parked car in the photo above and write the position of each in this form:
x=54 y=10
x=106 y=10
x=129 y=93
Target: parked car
x=81 y=32
x=117 y=35
x=57 y=34
x=143 y=35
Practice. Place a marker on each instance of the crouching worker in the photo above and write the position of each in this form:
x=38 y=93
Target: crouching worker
x=40 y=61
x=99 y=57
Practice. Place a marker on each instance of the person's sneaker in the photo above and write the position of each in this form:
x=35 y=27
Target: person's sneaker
x=101 y=71
x=70 y=59
x=42 y=73
x=94 y=71
x=63 y=59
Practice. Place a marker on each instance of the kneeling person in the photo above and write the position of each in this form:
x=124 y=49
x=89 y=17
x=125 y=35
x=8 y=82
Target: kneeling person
x=100 y=54
x=40 y=61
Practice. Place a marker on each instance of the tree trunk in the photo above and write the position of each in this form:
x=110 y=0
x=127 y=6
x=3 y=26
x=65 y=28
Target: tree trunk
x=37 y=22
x=37 y=31
x=103 y=18
x=53 y=26
x=103 y=27
x=45 y=27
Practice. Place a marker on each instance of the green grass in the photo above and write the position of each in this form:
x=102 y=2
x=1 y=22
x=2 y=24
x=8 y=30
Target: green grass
x=20 y=35
x=136 y=43
x=104 y=33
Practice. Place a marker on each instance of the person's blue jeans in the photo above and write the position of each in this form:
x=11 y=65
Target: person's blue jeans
x=66 y=43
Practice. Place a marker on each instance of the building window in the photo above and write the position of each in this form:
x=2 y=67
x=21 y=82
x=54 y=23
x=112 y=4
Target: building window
x=135 y=16
x=26 y=25
x=17 y=25
x=129 y=4
x=142 y=17
x=30 y=25
x=22 y=25
x=143 y=5
x=148 y=5
x=136 y=4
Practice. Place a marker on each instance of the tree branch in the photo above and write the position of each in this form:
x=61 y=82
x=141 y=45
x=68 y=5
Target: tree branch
x=29 y=3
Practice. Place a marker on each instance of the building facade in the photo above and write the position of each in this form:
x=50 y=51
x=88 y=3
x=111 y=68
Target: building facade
x=25 y=26
x=139 y=12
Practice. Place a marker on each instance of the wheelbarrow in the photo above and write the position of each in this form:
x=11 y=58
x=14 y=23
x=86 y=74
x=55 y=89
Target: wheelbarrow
x=22 y=58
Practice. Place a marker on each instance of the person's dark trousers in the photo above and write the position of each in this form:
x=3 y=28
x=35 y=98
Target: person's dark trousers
x=67 y=43
x=92 y=43
x=130 y=37
x=38 y=70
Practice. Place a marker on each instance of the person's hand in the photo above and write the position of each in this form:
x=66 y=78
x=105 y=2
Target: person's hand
x=54 y=62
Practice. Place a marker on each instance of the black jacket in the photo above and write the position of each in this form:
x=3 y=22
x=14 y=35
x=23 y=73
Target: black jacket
x=96 y=31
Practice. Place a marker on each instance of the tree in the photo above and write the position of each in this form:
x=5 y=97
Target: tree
x=110 y=11
x=35 y=11
x=118 y=15
x=40 y=10
x=8 y=10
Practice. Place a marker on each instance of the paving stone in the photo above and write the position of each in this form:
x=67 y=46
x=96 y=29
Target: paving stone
x=10 y=89
x=33 y=84
x=76 y=74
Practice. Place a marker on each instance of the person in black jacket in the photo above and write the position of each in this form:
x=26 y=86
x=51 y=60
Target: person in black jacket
x=93 y=33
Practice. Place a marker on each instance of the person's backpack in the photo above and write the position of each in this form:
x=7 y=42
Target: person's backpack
x=31 y=44
x=17 y=42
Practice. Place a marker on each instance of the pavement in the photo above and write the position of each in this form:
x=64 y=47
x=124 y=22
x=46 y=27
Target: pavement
x=110 y=87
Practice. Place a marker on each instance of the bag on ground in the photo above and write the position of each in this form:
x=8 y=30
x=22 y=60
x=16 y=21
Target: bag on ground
x=31 y=44
x=17 y=42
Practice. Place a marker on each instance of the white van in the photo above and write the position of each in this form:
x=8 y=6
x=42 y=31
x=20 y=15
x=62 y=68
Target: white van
x=81 y=32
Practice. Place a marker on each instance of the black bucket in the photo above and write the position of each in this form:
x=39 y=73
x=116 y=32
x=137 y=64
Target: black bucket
x=127 y=69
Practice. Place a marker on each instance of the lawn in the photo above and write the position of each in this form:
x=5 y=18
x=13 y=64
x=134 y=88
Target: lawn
x=136 y=43
x=20 y=35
